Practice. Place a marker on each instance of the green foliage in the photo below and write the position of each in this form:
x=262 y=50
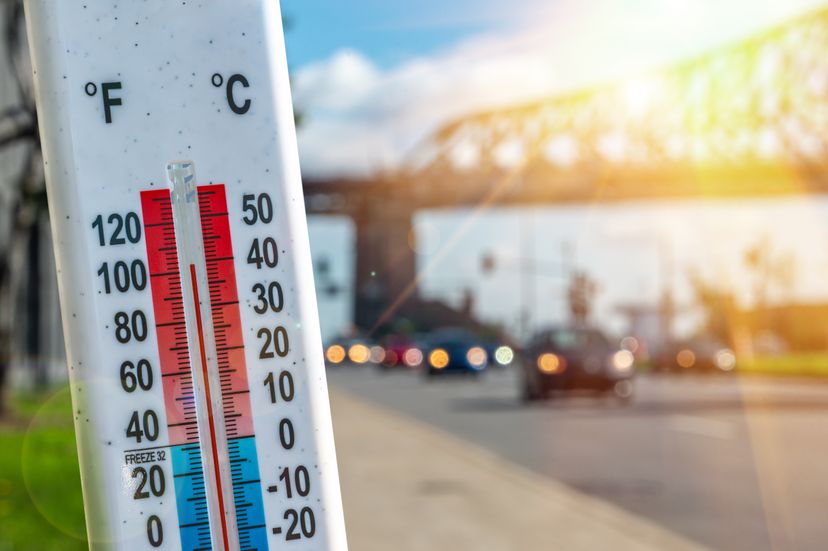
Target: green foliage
x=41 y=507
x=805 y=364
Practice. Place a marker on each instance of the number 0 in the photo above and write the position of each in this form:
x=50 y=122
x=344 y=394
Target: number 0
x=155 y=532
x=286 y=435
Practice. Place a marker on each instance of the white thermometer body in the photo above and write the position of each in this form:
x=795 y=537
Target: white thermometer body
x=192 y=332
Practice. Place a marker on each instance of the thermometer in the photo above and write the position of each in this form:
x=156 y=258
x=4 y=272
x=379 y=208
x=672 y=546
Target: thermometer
x=193 y=342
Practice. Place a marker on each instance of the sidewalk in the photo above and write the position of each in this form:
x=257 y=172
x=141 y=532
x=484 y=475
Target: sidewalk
x=407 y=486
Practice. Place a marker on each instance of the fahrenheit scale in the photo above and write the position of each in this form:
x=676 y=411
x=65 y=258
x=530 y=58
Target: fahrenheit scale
x=193 y=342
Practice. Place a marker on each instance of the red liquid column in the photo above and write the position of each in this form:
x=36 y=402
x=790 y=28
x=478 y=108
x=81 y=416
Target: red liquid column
x=176 y=374
x=170 y=322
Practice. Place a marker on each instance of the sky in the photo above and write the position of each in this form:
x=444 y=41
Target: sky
x=374 y=78
x=388 y=33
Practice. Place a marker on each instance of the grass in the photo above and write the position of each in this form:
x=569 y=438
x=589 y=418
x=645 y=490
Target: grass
x=800 y=364
x=41 y=507
x=803 y=364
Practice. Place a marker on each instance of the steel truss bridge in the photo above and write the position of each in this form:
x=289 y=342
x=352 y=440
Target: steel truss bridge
x=749 y=119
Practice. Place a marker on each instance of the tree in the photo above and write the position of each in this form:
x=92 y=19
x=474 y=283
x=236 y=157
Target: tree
x=718 y=305
x=772 y=271
x=22 y=192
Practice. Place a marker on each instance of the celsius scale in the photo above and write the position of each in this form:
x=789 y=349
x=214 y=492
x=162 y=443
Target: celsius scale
x=193 y=341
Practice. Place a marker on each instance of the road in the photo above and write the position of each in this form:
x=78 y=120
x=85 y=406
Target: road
x=732 y=463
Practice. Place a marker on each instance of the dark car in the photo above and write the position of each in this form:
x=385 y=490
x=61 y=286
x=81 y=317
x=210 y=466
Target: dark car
x=455 y=351
x=568 y=359
x=699 y=355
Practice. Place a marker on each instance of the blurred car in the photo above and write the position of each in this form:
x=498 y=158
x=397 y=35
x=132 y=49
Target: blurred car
x=575 y=358
x=699 y=355
x=401 y=351
x=455 y=351
x=353 y=351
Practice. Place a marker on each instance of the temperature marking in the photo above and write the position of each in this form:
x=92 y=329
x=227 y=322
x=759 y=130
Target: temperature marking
x=232 y=367
x=177 y=376
x=178 y=379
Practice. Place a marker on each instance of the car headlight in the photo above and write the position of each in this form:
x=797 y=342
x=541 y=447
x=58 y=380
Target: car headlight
x=477 y=357
x=686 y=358
x=623 y=361
x=359 y=354
x=725 y=359
x=438 y=359
x=550 y=363
x=413 y=357
x=377 y=354
x=335 y=354
x=504 y=355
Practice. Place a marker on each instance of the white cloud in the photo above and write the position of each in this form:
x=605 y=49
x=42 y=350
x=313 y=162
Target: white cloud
x=360 y=119
x=336 y=84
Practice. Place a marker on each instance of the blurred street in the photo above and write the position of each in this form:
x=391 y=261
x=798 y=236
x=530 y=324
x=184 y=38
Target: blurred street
x=408 y=487
x=568 y=263
x=730 y=463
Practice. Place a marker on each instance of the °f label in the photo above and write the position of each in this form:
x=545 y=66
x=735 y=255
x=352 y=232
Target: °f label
x=192 y=335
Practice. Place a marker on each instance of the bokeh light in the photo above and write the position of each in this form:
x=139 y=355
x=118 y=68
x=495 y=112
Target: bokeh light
x=377 y=354
x=335 y=354
x=477 y=357
x=359 y=354
x=725 y=360
x=686 y=358
x=438 y=358
x=413 y=357
x=504 y=355
x=623 y=360
x=550 y=363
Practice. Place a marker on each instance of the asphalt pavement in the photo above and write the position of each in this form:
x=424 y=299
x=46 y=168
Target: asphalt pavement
x=408 y=487
x=731 y=463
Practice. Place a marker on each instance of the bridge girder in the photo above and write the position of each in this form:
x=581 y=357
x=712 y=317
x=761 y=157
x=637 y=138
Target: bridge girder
x=759 y=107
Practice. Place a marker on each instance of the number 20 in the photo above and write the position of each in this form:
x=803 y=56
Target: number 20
x=275 y=343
